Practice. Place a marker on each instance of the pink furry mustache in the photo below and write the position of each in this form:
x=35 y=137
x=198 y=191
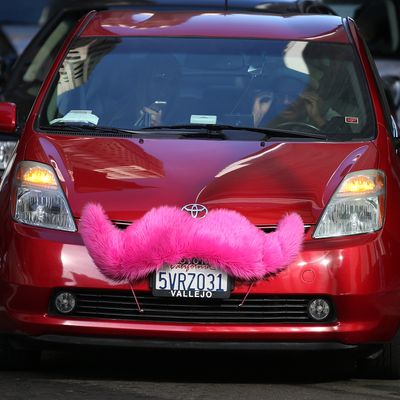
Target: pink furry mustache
x=224 y=239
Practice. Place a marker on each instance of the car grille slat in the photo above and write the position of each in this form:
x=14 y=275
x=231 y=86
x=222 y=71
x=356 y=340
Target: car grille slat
x=120 y=305
x=186 y=318
x=177 y=311
x=265 y=228
x=179 y=306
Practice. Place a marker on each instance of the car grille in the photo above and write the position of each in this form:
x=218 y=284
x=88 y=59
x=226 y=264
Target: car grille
x=265 y=228
x=120 y=305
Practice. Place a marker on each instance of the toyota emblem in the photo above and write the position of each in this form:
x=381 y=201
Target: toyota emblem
x=196 y=210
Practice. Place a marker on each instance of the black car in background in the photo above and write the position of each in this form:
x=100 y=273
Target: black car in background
x=379 y=23
x=21 y=83
x=8 y=54
x=21 y=19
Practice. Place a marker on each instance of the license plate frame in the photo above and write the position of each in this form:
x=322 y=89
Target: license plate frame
x=190 y=285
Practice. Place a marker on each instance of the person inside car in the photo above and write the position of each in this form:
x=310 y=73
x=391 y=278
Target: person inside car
x=280 y=101
x=160 y=87
x=293 y=104
x=261 y=105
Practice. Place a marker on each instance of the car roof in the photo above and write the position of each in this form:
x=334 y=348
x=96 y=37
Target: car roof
x=216 y=24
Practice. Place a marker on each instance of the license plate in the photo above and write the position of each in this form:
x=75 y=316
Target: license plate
x=189 y=279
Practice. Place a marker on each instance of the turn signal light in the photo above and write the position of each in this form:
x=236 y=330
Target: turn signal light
x=362 y=184
x=37 y=176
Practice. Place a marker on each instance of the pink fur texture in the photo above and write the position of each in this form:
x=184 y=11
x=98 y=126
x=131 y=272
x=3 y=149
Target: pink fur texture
x=224 y=239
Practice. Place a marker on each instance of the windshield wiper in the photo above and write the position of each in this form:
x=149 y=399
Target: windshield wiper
x=215 y=130
x=192 y=130
x=198 y=130
x=86 y=127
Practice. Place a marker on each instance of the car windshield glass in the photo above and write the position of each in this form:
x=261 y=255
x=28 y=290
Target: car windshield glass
x=136 y=83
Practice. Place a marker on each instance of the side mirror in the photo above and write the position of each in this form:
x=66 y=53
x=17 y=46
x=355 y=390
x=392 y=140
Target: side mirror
x=8 y=117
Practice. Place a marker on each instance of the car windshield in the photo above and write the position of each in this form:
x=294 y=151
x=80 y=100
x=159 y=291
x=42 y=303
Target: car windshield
x=136 y=83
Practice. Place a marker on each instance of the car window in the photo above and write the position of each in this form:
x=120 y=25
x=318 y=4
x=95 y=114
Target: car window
x=133 y=83
x=43 y=59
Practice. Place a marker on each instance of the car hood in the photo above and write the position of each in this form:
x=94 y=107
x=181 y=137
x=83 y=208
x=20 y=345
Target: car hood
x=261 y=180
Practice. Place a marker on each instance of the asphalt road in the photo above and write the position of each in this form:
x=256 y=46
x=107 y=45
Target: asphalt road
x=197 y=375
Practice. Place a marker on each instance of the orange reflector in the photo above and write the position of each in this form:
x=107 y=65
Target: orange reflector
x=39 y=176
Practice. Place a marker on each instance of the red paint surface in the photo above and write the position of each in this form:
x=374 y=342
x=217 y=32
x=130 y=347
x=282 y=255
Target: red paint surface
x=8 y=117
x=215 y=24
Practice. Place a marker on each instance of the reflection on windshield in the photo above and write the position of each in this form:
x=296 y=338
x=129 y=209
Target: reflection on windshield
x=135 y=83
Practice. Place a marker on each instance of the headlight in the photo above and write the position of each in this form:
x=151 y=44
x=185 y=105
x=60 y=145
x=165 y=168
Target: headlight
x=39 y=199
x=357 y=206
x=6 y=149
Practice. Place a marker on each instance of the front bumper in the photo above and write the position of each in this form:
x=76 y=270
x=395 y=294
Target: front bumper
x=358 y=274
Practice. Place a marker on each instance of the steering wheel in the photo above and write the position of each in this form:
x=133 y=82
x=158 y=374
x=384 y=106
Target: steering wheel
x=294 y=124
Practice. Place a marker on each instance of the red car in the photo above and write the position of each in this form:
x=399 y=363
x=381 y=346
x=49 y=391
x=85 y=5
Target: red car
x=204 y=180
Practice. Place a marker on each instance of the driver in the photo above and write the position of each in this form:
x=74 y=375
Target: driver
x=276 y=97
x=160 y=89
x=308 y=109
x=284 y=107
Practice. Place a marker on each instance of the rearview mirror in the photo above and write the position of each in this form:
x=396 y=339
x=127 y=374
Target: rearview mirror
x=8 y=117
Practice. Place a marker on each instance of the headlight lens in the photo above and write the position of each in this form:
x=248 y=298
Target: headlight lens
x=6 y=149
x=357 y=206
x=39 y=199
